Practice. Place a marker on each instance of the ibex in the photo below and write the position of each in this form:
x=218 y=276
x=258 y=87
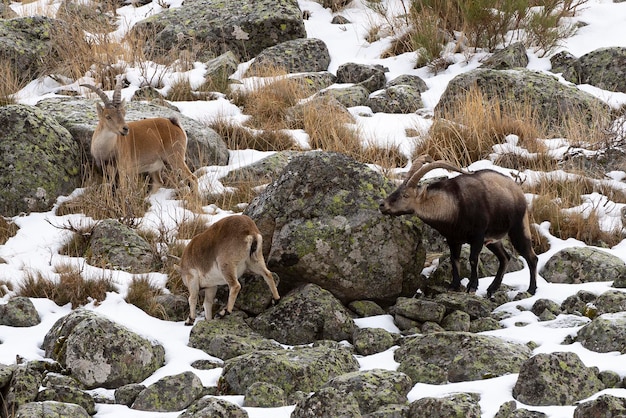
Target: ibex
x=478 y=208
x=220 y=255
x=144 y=146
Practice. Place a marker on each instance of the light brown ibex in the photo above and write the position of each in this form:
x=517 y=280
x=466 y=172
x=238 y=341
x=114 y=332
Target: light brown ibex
x=144 y=146
x=220 y=255
x=478 y=208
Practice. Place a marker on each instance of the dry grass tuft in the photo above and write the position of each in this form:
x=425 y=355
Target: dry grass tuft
x=480 y=123
x=71 y=287
x=7 y=230
x=555 y=195
x=269 y=102
x=240 y=137
x=127 y=202
x=141 y=293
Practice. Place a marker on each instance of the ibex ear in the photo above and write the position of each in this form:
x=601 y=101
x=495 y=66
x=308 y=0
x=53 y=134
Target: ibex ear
x=100 y=109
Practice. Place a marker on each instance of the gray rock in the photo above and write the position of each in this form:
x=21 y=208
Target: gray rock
x=420 y=310
x=578 y=303
x=117 y=246
x=23 y=387
x=603 y=406
x=374 y=388
x=264 y=395
x=555 y=379
x=368 y=341
x=51 y=409
x=456 y=321
x=213 y=27
x=484 y=324
x=610 y=301
x=563 y=62
x=390 y=411
x=458 y=405
x=582 y=265
x=79 y=117
x=219 y=70
x=327 y=402
x=542 y=305
x=126 y=395
x=321 y=224
x=465 y=356
x=304 y=369
x=171 y=393
x=19 y=311
x=306 y=315
x=365 y=308
x=174 y=307
x=294 y=56
x=99 y=352
x=512 y=56
x=227 y=338
x=552 y=99
x=396 y=99
x=26 y=43
x=348 y=96
x=210 y=407
x=409 y=80
x=372 y=77
x=475 y=306
x=605 y=333
x=68 y=395
x=39 y=160
x=422 y=371
x=602 y=68
x=510 y=410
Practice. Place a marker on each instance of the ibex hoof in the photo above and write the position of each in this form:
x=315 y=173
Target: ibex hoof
x=221 y=314
x=275 y=301
x=189 y=321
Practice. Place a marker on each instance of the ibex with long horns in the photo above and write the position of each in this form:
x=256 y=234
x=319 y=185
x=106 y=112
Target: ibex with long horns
x=144 y=146
x=478 y=208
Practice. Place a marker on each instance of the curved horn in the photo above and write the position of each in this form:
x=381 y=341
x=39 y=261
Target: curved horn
x=100 y=93
x=417 y=175
x=117 y=93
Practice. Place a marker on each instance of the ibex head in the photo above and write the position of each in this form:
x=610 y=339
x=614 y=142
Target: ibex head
x=409 y=194
x=112 y=115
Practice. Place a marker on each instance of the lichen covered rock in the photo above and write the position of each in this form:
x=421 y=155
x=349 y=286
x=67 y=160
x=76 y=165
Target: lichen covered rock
x=304 y=369
x=101 y=353
x=39 y=160
x=321 y=224
x=555 y=379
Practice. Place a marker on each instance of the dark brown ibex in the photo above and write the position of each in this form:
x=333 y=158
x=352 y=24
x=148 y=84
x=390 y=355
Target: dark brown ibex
x=478 y=208
x=143 y=146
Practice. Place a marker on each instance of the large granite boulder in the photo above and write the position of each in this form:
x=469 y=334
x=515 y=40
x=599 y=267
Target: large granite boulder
x=583 y=265
x=295 y=56
x=555 y=379
x=464 y=356
x=554 y=102
x=304 y=368
x=304 y=316
x=39 y=160
x=100 y=352
x=602 y=68
x=321 y=224
x=114 y=245
x=26 y=43
x=212 y=27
